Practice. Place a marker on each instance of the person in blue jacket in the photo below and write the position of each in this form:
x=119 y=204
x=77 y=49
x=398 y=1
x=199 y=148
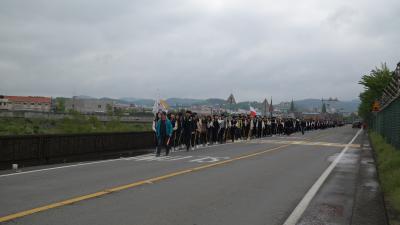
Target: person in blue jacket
x=164 y=133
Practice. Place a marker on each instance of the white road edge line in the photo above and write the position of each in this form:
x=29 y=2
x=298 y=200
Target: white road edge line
x=302 y=206
x=61 y=167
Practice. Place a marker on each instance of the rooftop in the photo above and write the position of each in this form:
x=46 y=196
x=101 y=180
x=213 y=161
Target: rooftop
x=32 y=99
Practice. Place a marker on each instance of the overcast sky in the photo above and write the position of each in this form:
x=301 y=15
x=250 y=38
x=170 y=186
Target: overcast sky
x=195 y=49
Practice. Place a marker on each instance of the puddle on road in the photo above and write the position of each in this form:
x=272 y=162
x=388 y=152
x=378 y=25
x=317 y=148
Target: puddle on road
x=371 y=185
x=366 y=161
x=347 y=158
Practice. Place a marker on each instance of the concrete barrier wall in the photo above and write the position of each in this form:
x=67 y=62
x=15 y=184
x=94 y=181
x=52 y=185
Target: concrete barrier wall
x=42 y=149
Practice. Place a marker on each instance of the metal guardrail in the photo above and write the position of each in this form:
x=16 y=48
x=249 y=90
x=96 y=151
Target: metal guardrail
x=392 y=91
x=44 y=148
x=386 y=122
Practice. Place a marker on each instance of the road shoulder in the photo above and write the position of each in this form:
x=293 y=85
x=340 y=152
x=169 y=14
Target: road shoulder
x=351 y=194
x=369 y=208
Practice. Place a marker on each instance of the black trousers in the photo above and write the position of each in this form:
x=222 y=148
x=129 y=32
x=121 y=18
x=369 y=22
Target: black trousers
x=187 y=139
x=209 y=135
x=274 y=131
x=215 y=135
x=203 y=138
x=193 y=140
x=221 y=135
x=162 y=143
x=238 y=133
x=233 y=133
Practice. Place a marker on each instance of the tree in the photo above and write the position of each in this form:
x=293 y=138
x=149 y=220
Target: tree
x=323 y=108
x=373 y=83
x=109 y=110
x=60 y=105
x=292 y=109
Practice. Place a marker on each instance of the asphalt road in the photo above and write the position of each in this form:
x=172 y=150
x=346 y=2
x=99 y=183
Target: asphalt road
x=256 y=182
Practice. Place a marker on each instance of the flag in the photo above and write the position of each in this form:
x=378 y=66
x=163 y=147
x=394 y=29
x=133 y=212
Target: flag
x=155 y=106
x=253 y=112
x=160 y=105
x=164 y=105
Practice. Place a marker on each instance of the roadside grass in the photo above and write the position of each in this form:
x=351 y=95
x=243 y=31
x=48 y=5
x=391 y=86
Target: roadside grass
x=389 y=170
x=73 y=125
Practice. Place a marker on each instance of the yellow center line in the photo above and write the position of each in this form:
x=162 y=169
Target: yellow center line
x=135 y=184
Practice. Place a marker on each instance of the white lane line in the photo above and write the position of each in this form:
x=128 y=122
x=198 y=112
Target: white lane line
x=149 y=158
x=185 y=157
x=302 y=206
x=59 y=167
x=138 y=157
x=62 y=167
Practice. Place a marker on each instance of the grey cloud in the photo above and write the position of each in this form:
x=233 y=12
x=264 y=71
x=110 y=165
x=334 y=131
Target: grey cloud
x=194 y=49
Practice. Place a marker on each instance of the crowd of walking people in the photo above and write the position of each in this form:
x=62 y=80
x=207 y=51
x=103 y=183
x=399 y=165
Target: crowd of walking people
x=190 y=130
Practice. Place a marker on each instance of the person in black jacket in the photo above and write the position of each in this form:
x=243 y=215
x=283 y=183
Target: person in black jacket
x=215 y=129
x=233 y=129
x=193 y=124
x=210 y=128
x=187 y=126
x=259 y=127
x=274 y=126
x=303 y=125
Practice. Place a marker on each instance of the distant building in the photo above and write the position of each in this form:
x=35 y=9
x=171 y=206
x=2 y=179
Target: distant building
x=311 y=115
x=89 y=105
x=243 y=111
x=202 y=109
x=124 y=106
x=4 y=105
x=25 y=103
x=207 y=110
x=283 y=107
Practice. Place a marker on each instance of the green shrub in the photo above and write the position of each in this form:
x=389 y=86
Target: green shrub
x=76 y=123
x=389 y=169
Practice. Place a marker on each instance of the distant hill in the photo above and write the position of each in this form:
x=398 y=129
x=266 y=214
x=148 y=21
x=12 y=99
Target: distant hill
x=215 y=101
x=305 y=104
x=138 y=101
x=184 y=101
x=84 y=97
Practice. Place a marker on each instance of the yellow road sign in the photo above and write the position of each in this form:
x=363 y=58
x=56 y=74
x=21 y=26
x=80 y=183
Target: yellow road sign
x=376 y=106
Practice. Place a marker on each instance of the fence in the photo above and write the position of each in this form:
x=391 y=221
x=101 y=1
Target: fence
x=387 y=121
x=40 y=149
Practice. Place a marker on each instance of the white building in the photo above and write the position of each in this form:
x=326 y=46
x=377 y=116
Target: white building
x=89 y=105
